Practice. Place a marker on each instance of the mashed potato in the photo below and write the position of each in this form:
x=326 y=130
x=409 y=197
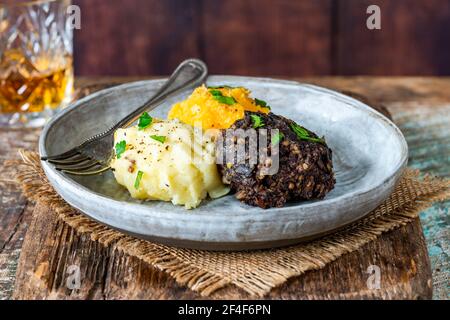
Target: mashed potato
x=216 y=108
x=167 y=161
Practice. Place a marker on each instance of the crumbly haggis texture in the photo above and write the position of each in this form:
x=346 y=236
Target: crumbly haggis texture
x=305 y=168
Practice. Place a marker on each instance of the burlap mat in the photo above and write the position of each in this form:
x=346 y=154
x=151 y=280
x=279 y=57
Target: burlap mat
x=256 y=272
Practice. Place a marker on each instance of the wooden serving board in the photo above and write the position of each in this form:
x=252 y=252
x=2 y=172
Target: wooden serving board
x=51 y=249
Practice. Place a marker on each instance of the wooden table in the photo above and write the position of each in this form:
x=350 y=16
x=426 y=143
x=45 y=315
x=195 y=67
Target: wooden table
x=407 y=267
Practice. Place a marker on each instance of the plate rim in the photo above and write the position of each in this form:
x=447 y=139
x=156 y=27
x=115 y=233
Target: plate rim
x=76 y=104
x=237 y=218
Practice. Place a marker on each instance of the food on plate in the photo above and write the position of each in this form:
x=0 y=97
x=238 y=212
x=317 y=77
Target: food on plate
x=305 y=169
x=165 y=160
x=216 y=107
x=168 y=160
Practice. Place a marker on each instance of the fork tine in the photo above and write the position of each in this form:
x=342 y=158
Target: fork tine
x=62 y=156
x=86 y=172
x=71 y=160
x=79 y=166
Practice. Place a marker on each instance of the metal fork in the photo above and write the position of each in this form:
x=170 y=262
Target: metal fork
x=94 y=155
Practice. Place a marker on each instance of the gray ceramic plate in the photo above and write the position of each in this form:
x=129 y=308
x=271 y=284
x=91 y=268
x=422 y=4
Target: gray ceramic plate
x=369 y=155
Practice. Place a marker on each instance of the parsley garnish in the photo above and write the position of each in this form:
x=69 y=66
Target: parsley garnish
x=257 y=121
x=277 y=138
x=261 y=103
x=225 y=100
x=215 y=92
x=161 y=139
x=144 y=121
x=303 y=134
x=120 y=148
x=137 y=182
x=217 y=95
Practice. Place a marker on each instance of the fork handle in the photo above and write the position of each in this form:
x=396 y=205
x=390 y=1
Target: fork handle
x=189 y=73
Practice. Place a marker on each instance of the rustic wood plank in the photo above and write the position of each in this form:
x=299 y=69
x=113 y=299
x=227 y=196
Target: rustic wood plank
x=392 y=92
x=413 y=39
x=140 y=37
x=15 y=211
x=263 y=37
x=51 y=247
x=135 y=37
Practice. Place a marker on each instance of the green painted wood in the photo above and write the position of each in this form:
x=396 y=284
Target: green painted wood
x=427 y=132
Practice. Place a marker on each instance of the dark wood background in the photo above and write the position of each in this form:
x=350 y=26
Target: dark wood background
x=263 y=37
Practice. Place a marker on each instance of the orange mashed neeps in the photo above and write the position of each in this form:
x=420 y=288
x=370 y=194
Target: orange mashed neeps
x=216 y=107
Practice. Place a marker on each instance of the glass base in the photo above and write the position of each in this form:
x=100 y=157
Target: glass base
x=17 y=120
x=26 y=120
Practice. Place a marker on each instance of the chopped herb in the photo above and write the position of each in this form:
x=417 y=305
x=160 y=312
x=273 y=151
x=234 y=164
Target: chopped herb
x=217 y=95
x=161 y=139
x=137 y=182
x=144 y=121
x=221 y=87
x=257 y=121
x=261 y=103
x=120 y=148
x=303 y=134
x=277 y=138
x=215 y=92
x=225 y=100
